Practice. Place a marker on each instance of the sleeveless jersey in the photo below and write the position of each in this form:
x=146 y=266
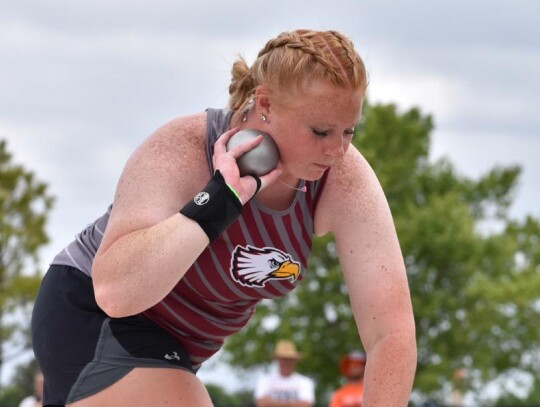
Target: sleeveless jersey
x=263 y=254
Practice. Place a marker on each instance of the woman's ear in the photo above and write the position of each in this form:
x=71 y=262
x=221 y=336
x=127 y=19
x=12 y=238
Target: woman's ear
x=262 y=100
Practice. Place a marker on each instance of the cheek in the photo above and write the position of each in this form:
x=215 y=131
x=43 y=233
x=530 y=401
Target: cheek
x=292 y=153
x=293 y=145
x=346 y=144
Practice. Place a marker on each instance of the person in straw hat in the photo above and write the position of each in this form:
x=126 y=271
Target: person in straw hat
x=285 y=387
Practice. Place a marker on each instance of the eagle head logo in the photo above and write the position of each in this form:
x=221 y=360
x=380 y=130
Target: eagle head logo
x=253 y=267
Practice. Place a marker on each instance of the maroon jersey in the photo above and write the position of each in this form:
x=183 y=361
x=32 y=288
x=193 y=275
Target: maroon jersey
x=264 y=254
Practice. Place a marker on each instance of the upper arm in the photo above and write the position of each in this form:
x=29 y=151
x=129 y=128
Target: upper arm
x=158 y=179
x=368 y=249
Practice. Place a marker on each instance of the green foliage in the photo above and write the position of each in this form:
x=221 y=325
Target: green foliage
x=24 y=378
x=532 y=400
x=396 y=146
x=10 y=396
x=221 y=398
x=21 y=386
x=25 y=204
x=473 y=272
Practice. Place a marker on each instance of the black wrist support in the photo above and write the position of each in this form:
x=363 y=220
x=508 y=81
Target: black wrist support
x=215 y=208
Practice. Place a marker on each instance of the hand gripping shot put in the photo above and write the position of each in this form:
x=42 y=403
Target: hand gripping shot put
x=260 y=160
x=218 y=205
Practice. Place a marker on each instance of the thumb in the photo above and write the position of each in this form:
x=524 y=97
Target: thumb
x=270 y=178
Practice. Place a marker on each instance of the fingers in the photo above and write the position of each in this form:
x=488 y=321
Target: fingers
x=223 y=160
x=220 y=146
x=269 y=178
x=259 y=183
x=243 y=148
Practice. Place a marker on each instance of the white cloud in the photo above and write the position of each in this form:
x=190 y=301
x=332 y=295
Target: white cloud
x=475 y=153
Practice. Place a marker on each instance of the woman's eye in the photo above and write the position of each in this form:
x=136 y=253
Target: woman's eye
x=349 y=132
x=320 y=133
x=324 y=133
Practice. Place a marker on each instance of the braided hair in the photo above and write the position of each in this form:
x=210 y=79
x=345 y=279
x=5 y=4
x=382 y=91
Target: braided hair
x=288 y=60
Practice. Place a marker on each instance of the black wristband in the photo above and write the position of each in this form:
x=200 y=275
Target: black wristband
x=215 y=208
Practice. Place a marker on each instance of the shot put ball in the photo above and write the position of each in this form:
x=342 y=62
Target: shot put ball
x=259 y=161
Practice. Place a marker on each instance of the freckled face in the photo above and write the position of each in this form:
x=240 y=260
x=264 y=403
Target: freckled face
x=314 y=128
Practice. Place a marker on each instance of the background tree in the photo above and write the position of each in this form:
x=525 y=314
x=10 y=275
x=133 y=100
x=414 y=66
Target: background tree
x=222 y=398
x=25 y=205
x=473 y=272
x=531 y=400
x=22 y=385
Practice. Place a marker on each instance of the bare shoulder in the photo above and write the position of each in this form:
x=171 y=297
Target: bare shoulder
x=161 y=175
x=176 y=146
x=170 y=159
x=351 y=193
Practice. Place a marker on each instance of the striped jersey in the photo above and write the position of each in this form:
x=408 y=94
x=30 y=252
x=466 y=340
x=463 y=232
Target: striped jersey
x=262 y=255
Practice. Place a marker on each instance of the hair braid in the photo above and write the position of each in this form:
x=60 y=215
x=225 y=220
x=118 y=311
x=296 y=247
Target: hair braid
x=289 y=60
x=352 y=56
x=296 y=41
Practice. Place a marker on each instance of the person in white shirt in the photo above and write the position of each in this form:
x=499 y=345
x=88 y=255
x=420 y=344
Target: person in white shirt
x=35 y=399
x=285 y=387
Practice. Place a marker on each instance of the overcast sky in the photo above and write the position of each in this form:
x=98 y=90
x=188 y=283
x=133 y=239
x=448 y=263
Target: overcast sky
x=83 y=83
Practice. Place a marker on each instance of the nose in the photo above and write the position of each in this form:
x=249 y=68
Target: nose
x=335 y=147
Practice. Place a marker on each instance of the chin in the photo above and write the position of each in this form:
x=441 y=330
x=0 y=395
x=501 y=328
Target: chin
x=305 y=173
x=316 y=175
x=313 y=178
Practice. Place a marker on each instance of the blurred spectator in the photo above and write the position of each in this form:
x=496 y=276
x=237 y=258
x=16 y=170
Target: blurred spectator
x=458 y=387
x=352 y=367
x=35 y=399
x=285 y=388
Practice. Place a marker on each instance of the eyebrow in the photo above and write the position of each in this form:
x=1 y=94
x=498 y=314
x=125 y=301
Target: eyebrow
x=331 y=126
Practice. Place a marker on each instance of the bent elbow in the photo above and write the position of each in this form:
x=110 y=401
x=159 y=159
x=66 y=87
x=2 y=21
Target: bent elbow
x=107 y=296
x=111 y=300
x=109 y=303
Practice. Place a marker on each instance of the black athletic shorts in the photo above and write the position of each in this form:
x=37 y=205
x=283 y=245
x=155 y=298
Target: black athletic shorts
x=81 y=350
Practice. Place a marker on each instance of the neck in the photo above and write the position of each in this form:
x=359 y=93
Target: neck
x=276 y=196
x=303 y=189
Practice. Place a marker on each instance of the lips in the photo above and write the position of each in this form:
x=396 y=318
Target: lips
x=322 y=167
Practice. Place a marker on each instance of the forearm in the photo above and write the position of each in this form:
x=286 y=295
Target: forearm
x=390 y=371
x=141 y=268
